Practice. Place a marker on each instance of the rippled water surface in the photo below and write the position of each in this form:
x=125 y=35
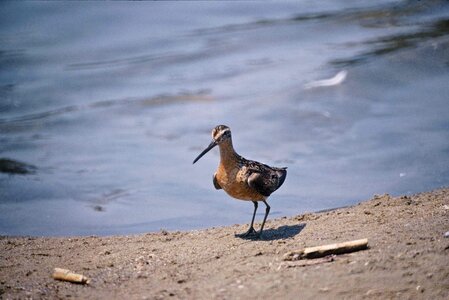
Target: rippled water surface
x=103 y=107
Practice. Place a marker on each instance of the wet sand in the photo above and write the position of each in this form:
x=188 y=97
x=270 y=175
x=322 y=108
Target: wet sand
x=407 y=258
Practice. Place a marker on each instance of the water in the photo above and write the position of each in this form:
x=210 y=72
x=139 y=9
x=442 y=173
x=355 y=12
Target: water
x=103 y=107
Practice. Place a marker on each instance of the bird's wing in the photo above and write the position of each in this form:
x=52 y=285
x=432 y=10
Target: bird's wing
x=216 y=185
x=265 y=179
x=263 y=183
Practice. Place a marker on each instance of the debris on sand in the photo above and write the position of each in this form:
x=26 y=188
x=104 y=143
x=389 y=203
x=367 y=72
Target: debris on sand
x=320 y=251
x=67 y=275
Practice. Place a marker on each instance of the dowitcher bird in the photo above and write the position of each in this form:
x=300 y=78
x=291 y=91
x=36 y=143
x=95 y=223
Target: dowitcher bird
x=241 y=178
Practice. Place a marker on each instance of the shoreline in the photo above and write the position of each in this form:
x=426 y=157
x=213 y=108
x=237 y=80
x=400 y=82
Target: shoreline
x=408 y=257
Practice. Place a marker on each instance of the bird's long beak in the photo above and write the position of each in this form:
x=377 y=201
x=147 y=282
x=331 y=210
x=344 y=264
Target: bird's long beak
x=211 y=145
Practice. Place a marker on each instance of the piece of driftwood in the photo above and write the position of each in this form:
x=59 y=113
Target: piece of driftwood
x=67 y=275
x=320 y=251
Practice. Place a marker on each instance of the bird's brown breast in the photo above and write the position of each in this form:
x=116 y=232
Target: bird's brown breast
x=233 y=180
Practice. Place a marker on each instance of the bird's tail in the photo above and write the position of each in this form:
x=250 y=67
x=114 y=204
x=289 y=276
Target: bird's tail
x=282 y=173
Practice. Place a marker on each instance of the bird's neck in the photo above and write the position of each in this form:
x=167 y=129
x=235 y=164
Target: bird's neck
x=228 y=156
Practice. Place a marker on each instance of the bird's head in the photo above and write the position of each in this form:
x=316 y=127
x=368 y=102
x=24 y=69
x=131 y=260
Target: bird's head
x=220 y=134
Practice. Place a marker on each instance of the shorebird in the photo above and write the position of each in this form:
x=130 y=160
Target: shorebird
x=241 y=178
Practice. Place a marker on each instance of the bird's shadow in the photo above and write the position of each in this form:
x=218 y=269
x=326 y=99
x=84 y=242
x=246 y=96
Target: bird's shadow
x=280 y=233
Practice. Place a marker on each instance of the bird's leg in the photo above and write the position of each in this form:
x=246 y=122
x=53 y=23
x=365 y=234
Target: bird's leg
x=267 y=211
x=251 y=230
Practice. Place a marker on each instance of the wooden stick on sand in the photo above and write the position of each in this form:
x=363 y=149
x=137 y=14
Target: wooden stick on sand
x=67 y=275
x=320 y=251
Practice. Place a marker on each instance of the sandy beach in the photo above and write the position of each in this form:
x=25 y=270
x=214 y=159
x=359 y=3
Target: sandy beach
x=407 y=258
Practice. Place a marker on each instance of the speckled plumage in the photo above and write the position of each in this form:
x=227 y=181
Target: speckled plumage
x=246 y=179
x=242 y=178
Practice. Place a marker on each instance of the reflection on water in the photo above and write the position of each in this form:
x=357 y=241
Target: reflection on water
x=10 y=166
x=104 y=106
x=393 y=43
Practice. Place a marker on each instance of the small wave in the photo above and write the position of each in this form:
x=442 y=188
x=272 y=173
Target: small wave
x=200 y=95
x=336 y=80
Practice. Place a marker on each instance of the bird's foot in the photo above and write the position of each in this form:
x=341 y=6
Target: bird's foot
x=250 y=233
